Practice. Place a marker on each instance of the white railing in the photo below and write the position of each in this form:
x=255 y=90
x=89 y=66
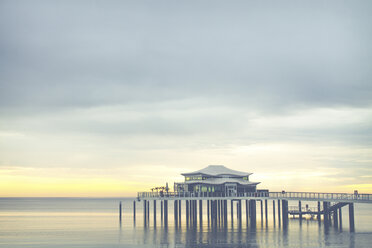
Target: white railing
x=295 y=209
x=271 y=195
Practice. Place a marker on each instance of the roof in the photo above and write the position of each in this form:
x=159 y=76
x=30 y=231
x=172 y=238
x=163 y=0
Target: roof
x=217 y=170
x=222 y=181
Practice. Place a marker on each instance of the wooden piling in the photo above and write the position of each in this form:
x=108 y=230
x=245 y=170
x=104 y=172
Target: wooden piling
x=120 y=211
x=145 y=212
x=240 y=211
x=208 y=211
x=148 y=212
x=195 y=212
x=246 y=211
x=154 y=212
x=175 y=209
x=300 y=211
x=335 y=218
x=261 y=211
x=187 y=212
x=161 y=212
x=279 y=213
x=285 y=212
x=274 y=211
x=340 y=217
x=218 y=217
x=212 y=213
x=134 y=210
x=200 y=213
x=222 y=212
x=351 y=217
x=225 y=212
x=166 y=213
x=179 y=212
x=266 y=211
x=318 y=216
x=326 y=215
x=252 y=210
x=232 y=211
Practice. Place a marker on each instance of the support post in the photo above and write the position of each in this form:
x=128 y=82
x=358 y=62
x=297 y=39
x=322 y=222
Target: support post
x=218 y=211
x=237 y=210
x=179 y=211
x=165 y=213
x=340 y=217
x=246 y=211
x=300 y=211
x=351 y=217
x=326 y=215
x=134 y=210
x=318 y=215
x=200 y=212
x=154 y=212
x=175 y=209
x=208 y=211
x=285 y=212
x=266 y=211
x=148 y=212
x=195 y=212
x=145 y=212
x=161 y=211
x=187 y=212
x=274 y=211
x=240 y=211
x=212 y=212
x=222 y=212
x=225 y=212
x=232 y=211
x=252 y=210
x=279 y=213
x=335 y=218
x=261 y=211
x=120 y=211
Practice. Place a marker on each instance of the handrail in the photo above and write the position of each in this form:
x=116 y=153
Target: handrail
x=303 y=209
x=276 y=195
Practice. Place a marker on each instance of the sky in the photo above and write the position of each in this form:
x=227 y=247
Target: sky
x=108 y=98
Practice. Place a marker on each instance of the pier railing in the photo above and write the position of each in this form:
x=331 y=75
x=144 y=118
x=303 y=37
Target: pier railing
x=268 y=195
x=295 y=209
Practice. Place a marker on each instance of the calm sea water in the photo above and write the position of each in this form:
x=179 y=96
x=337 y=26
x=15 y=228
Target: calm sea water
x=86 y=222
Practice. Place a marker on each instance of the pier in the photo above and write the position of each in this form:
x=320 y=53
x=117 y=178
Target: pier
x=225 y=193
x=329 y=207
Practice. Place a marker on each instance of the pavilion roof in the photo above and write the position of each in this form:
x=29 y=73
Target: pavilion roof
x=216 y=170
x=216 y=181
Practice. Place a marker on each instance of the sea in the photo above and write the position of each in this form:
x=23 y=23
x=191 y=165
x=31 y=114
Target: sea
x=95 y=222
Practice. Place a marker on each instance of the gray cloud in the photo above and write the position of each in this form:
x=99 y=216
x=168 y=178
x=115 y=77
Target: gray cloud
x=261 y=55
x=92 y=83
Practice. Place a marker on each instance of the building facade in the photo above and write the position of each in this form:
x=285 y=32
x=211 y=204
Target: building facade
x=217 y=179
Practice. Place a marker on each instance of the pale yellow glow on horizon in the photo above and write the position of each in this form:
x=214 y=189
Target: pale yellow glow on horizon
x=65 y=187
x=278 y=166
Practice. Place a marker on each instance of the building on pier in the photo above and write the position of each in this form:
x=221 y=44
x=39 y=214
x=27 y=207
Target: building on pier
x=217 y=179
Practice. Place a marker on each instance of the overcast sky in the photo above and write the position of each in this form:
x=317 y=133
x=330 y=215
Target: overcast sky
x=106 y=98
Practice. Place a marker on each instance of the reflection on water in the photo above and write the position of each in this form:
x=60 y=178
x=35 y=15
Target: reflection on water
x=94 y=223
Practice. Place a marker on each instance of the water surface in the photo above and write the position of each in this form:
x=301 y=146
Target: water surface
x=88 y=222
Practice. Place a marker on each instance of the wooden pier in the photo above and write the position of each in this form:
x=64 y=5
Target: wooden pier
x=329 y=207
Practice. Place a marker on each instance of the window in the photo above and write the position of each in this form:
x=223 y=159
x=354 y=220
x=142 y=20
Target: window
x=189 y=178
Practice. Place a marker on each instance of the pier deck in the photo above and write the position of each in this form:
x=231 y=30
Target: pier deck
x=217 y=206
x=293 y=196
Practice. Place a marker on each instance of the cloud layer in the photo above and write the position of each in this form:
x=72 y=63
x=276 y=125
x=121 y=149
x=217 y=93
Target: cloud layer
x=145 y=84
